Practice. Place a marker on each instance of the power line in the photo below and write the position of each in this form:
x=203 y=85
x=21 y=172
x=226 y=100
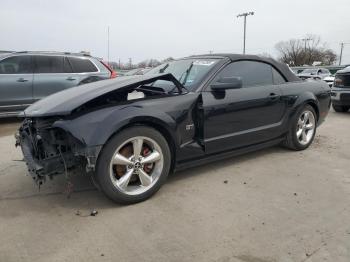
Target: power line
x=245 y=25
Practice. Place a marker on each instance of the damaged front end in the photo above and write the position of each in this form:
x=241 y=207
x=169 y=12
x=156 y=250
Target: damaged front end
x=48 y=150
x=66 y=131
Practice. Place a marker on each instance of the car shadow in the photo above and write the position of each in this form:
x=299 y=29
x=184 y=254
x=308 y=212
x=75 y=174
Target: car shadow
x=85 y=196
x=226 y=162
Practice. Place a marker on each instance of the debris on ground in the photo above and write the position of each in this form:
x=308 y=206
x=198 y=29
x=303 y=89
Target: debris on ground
x=225 y=182
x=93 y=213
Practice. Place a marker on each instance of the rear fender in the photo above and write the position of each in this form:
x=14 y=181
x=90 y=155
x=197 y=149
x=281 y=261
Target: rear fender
x=300 y=101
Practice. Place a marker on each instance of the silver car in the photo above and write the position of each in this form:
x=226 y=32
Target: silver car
x=314 y=73
x=26 y=77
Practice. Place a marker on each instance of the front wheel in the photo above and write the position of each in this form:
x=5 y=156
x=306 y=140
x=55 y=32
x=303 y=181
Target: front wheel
x=303 y=129
x=133 y=165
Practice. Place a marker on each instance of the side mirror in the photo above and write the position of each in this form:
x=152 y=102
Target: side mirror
x=227 y=83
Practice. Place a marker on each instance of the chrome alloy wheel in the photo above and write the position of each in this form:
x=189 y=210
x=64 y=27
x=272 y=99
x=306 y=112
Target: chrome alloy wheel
x=136 y=165
x=305 y=127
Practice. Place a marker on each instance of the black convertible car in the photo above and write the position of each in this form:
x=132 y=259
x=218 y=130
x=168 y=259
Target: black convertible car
x=130 y=133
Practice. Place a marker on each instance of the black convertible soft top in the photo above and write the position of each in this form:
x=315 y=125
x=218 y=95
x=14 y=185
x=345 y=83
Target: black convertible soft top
x=282 y=68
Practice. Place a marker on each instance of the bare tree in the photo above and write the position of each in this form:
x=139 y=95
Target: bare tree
x=169 y=59
x=298 y=52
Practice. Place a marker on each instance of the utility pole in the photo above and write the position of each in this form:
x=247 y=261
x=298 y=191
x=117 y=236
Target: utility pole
x=108 y=45
x=130 y=63
x=341 y=51
x=245 y=26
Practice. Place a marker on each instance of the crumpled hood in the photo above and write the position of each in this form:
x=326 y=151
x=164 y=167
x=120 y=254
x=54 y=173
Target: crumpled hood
x=64 y=102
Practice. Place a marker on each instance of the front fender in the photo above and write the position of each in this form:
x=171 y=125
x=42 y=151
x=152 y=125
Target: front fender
x=95 y=128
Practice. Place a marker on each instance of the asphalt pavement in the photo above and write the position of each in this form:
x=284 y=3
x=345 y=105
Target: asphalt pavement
x=271 y=205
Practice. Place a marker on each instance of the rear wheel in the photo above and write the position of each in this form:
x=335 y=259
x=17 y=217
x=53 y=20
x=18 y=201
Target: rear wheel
x=133 y=165
x=340 y=108
x=303 y=129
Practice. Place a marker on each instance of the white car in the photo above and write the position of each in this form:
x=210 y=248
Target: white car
x=329 y=80
x=314 y=73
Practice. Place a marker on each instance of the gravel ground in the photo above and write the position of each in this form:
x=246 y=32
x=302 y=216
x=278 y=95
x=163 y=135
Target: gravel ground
x=271 y=205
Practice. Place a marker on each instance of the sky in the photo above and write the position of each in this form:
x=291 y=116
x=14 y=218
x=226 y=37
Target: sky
x=144 y=29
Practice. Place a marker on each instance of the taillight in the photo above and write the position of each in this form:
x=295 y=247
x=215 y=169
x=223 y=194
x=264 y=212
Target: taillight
x=113 y=73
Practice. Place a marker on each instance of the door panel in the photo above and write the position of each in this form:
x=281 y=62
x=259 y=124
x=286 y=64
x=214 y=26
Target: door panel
x=47 y=84
x=244 y=116
x=241 y=117
x=16 y=82
x=16 y=91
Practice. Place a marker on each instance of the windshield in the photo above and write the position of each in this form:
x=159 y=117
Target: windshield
x=189 y=72
x=310 y=71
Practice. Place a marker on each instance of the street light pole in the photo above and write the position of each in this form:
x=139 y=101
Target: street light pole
x=245 y=27
x=341 y=51
x=305 y=41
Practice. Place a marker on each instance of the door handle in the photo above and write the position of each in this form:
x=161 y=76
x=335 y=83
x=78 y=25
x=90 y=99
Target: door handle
x=273 y=96
x=22 y=80
x=70 y=78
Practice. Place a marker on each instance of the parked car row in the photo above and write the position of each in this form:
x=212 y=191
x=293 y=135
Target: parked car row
x=340 y=84
x=136 y=71
x=26 y=77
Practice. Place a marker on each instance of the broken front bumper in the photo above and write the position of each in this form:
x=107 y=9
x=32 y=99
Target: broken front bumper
x=27 y=147
x=49 y=151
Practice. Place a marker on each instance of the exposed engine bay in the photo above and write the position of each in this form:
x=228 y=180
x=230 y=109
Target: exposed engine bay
x=48 y=150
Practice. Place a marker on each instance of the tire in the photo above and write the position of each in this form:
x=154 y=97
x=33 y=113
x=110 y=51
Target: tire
x=294 y=139
x=118 y=160
x=340 y=108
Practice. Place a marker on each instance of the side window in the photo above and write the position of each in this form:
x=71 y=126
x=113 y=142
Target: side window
x=252 y=73
x=67 y=68
x=82 y=65
x=48 y=64
x=16 y=65
x=278 y=79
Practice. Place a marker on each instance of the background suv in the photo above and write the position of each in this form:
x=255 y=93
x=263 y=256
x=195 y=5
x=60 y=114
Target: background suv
x=26 y=77
x=341 y=90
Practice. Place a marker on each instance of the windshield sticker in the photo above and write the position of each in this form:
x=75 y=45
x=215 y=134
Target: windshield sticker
x=203 y=62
